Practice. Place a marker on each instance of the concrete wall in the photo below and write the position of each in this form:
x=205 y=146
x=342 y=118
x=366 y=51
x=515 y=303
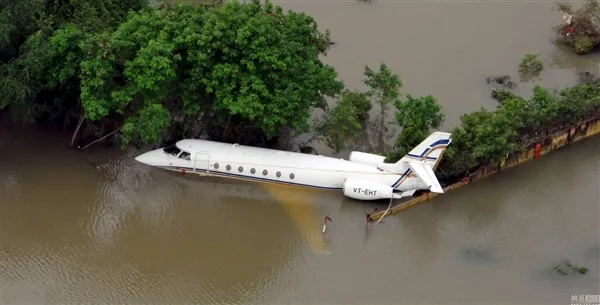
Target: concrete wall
x=559 y=139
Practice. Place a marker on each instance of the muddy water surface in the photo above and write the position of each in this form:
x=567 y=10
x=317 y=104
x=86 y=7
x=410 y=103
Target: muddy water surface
x=96 y=227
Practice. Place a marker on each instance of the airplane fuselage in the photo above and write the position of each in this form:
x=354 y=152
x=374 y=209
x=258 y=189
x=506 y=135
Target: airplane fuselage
x=274 y=166
x=363 y=177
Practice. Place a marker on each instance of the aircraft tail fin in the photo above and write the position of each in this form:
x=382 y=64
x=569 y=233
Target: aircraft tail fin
x=430 y=150
x=423 y=160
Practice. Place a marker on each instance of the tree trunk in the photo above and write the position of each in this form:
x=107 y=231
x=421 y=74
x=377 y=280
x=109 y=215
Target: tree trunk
x=104 y=137
x=226 y=127
x=240 y=135
x=74 y=137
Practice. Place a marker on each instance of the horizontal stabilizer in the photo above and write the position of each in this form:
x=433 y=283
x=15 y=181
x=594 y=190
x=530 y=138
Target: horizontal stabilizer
x=425 y=172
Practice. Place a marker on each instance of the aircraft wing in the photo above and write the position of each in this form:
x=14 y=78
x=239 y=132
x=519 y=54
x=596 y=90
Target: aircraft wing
x=425 y=172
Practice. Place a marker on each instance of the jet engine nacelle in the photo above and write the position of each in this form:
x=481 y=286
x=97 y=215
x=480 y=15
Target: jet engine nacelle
x=364 y=158
x=366 y=190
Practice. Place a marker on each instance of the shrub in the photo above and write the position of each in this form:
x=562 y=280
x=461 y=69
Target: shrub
x=531 y=65
x=586 y=27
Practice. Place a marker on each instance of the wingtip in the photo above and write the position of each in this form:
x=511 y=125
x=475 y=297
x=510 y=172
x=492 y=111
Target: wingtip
x=436 y=190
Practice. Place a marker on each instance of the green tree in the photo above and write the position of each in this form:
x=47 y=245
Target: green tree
x=245 y=64
x=268 y=68
x=483 y=138
x=110 y=66
x=576 y=103
x=384 y=90
x=531 y=65
x=488 y=137
x=347 y=120
x=502 y=95
x=361 y=102
x=417 y=117
x=17 y=21
x=48 y=35
x=343 y=122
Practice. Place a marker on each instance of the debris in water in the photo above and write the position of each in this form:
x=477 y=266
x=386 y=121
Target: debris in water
x=566 y=268
x=568 y=17
x=327 y=218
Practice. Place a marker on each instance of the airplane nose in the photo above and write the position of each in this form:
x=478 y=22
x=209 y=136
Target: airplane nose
x=144 y=158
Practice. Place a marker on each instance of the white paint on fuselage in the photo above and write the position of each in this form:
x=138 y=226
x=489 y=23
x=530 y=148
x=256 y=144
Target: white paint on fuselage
x=237 y=161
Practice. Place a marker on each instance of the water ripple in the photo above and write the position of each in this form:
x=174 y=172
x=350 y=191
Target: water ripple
x=10 y=188
x=128 y=187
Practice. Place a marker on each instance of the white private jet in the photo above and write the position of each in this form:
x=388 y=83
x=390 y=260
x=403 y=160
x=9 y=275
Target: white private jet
x=363 y=177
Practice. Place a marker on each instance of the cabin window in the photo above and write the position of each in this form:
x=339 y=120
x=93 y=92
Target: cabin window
x=278 y=174
x=172 y=150
x=240 y=169
x=292 y=176
x=265 y=172
x=228 y=167
x=216 y=166
x=184 y=155
x=252 y=170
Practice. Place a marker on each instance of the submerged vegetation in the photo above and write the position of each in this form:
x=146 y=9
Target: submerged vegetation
x=531 y=65
x=582 y=33
x=502 y=80
x=566 y=268
x=242 y=73
x=588 y=78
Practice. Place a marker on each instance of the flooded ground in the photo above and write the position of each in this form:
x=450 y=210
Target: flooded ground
x=96 y=227
x=446 y=48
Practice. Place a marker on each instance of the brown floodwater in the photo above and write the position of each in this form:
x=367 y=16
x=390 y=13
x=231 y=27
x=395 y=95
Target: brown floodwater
x=446 y=48
x=96 y=227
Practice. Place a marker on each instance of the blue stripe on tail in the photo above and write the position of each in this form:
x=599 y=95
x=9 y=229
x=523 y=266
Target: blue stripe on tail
x=432 y=146
x=440 y=142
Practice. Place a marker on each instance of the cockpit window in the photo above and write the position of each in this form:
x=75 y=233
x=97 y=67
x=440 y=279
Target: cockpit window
x=185 y=155
x=172 y=150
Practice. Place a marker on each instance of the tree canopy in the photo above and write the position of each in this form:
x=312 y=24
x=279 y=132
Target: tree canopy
x=343 y=122
x=384 y=90
x=234 y=60
x=237 y=67
x=487 y=137
x=417 y=117
x=31 y=33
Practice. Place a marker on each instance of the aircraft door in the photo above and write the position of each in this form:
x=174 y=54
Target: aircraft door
x=202 y=162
